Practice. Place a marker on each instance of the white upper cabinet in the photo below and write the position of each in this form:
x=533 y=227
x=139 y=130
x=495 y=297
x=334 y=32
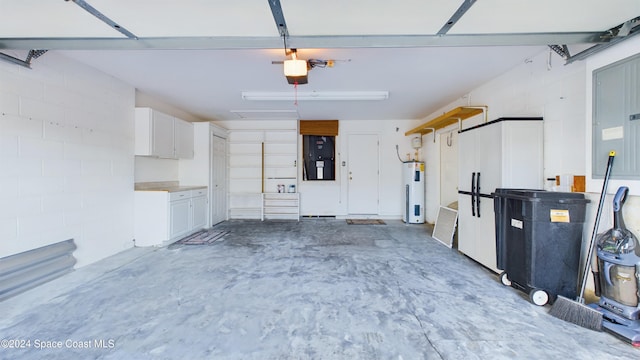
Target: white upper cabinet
x=184 y=139
x=161 y=135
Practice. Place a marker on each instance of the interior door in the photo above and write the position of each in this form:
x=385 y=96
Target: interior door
x=218 y=185
x=363 y=174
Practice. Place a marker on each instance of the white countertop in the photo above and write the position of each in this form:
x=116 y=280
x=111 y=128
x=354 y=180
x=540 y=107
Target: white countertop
x=169 y=186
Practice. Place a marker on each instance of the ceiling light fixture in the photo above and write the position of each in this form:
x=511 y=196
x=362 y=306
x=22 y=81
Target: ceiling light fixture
x=315 y=95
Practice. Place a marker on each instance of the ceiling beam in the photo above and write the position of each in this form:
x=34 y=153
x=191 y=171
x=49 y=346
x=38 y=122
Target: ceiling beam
x=300 y=42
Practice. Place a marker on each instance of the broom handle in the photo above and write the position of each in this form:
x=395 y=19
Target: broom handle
x=594 y=233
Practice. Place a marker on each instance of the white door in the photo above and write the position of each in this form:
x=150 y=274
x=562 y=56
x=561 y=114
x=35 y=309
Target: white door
x=362 y=177
x=218 y=185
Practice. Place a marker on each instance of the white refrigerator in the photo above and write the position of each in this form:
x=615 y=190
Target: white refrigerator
x=503 y=153
x=413 y=180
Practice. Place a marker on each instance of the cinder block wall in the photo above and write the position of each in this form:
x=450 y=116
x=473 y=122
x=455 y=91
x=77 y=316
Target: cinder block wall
x=66 y=158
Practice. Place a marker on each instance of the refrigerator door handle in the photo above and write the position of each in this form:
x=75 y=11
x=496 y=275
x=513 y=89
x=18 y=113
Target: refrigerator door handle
x=478 y=194
x=473 y=194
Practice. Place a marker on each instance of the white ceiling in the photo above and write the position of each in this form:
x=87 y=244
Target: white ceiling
x=199 y=55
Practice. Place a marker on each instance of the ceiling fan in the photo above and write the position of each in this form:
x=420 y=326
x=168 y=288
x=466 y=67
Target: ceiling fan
x=295 y=70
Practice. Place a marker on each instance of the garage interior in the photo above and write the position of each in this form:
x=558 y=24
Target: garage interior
x=86 y=85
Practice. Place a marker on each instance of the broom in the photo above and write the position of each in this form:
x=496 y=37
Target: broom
x=576 y=311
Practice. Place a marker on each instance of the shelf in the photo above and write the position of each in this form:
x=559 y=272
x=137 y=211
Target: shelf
x=260 y=159
x=444 y=120
x=281 y=206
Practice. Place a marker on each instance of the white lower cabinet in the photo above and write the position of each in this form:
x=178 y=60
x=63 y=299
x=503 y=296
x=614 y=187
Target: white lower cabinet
x=162 y=217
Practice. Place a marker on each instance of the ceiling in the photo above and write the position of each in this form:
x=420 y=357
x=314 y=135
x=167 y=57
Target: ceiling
x=200 y=55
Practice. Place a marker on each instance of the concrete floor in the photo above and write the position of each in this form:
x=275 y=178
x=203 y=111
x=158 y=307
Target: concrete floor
x=314 y=289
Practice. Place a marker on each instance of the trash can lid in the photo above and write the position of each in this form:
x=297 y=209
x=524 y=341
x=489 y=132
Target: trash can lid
x=535 y=194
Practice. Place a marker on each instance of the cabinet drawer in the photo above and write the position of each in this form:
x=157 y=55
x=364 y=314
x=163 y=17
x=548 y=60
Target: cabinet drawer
x=179 y=195
x=198 y=192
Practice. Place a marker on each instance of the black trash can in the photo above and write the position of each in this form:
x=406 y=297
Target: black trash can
x=538 y=241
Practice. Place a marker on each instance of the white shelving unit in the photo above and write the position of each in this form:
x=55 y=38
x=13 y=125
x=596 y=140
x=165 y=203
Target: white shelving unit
x=280 y=206
x=259 y=161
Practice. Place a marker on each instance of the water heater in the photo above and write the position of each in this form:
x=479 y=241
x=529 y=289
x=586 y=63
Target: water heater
x=413 y=180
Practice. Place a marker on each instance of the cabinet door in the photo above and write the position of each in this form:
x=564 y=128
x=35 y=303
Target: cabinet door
x=485 y=233
x=184 y=139
x=488 y=153
x=199 y=212
x=162 y=141
x=466 y=160
x=522 y=155
x=466 y=226
x=179 y=213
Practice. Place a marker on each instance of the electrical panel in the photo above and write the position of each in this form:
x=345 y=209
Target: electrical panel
x=616 y=119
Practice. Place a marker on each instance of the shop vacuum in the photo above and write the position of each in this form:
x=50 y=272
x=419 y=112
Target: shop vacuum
x=618 y=254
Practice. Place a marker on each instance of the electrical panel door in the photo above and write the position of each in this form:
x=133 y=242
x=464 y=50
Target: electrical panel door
x=616 y=119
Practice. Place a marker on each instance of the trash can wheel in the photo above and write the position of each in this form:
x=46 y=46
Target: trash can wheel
x=504 y=279
x=539 y=297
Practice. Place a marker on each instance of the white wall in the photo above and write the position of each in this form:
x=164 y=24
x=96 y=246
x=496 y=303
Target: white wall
x=615 y=53
x=329 y=198
x=196 y=171
x=149 y=169
x=66 y=154
x=631 y=210
x=541 y=86
x=562 y=95
x=390 y=133
x=145 y=100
